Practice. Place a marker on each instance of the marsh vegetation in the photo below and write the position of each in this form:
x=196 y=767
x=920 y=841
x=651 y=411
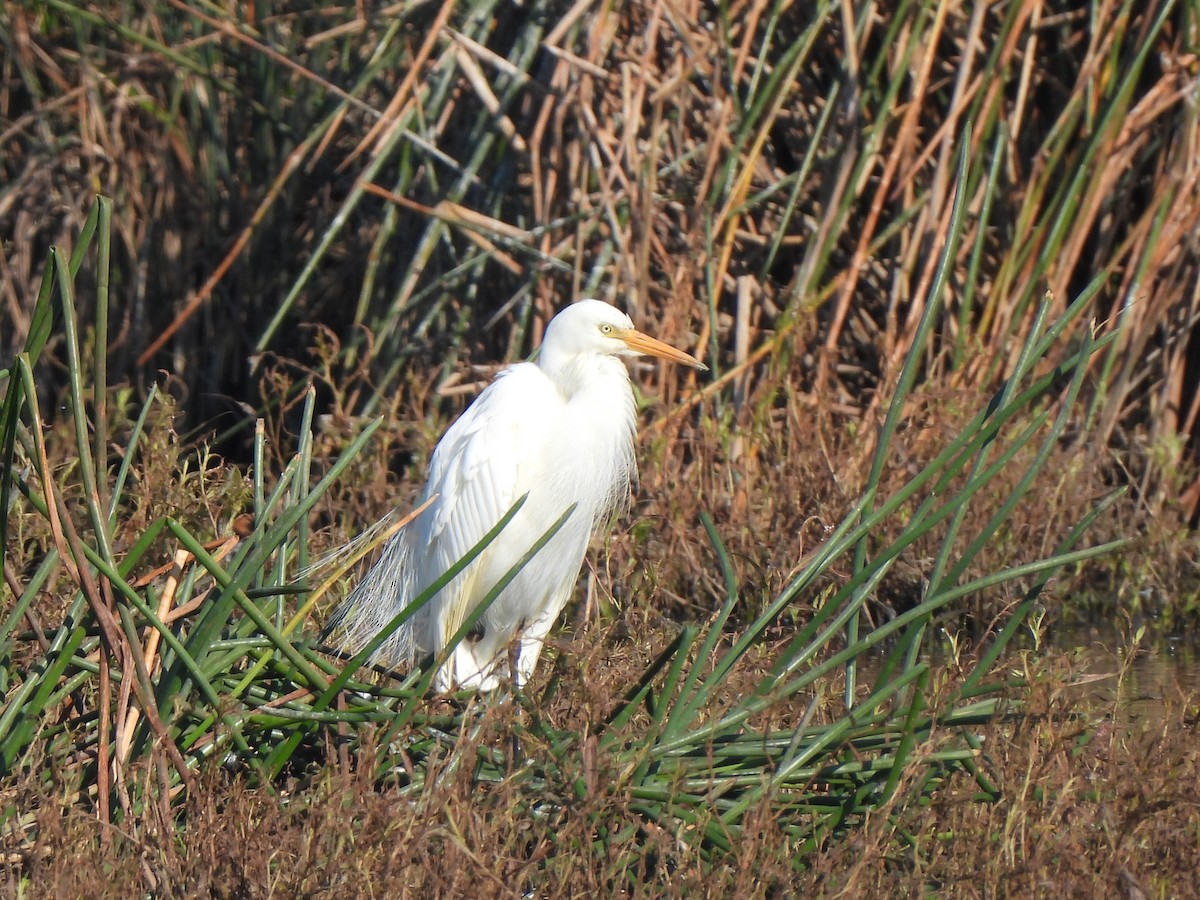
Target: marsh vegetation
x=943 y=263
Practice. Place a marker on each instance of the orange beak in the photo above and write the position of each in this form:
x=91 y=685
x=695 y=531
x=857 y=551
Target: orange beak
x=643 y=343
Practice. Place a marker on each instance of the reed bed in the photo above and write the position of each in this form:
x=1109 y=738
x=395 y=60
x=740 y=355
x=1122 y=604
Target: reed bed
x=951 y=247
x=149 y=674
x=776 y=179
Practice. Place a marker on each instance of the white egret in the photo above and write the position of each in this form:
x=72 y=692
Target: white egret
x=560 y=430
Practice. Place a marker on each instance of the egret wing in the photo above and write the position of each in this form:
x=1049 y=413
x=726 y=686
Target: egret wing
x=485 y=462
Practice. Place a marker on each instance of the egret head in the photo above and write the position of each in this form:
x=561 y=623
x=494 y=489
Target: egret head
x=591 y=326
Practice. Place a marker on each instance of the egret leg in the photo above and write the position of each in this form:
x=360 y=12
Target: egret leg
x=533 y=640
x=462 y=670
x=514 y=656
x=449 y=675
x=480 y=664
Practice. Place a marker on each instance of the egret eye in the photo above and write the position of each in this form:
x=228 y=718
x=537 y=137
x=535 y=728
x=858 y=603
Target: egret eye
x=605 y=328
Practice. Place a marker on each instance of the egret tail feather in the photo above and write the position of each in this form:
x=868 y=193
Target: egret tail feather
x=375 y=601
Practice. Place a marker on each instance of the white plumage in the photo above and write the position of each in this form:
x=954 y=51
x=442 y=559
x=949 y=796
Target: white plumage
x=560 y=430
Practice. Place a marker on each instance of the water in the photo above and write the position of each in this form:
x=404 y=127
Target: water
x=1139 y=685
